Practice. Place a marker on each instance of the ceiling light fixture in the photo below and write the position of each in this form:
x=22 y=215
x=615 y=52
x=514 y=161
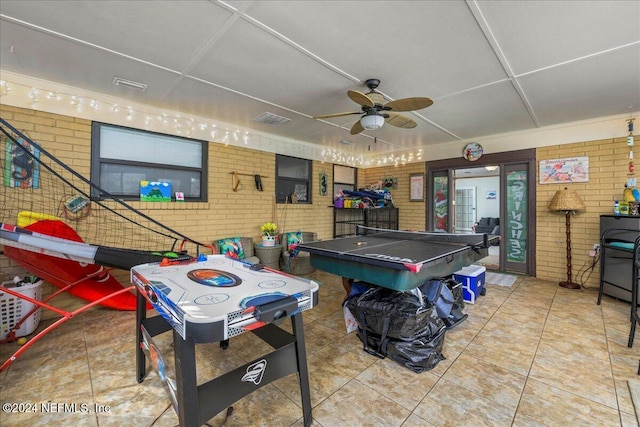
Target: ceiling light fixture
x=372 y=121
x=491 y=168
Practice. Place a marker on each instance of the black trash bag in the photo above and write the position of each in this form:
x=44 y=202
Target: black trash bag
x=456 y=291
x=419 y=355
x=400 y=313
x=399 y=326
x=446 y=295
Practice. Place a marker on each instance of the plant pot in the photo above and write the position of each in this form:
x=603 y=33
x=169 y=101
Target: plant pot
x=268 y=240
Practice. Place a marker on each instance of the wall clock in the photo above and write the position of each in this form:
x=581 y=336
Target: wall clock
x=472 y=151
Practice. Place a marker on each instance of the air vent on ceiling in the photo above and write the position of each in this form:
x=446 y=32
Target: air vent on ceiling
x=119 y=81
x=271 y=119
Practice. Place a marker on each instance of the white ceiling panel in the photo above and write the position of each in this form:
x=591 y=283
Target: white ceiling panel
x=484 y=111
x=166 y=33
x=490 y=66
x=49 y=57
x=538 y=34
x=399 y=42
x=591 y=88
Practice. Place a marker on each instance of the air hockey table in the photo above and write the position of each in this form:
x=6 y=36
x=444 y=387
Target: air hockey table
x=212 y=299
x=398 y=260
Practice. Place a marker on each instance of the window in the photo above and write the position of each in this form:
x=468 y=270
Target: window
x=293 y=181
x=344 y=178
x=122 y=157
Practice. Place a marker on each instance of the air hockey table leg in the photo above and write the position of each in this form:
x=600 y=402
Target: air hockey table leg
x=303 y=371
x=186 y=381
x=141 y=314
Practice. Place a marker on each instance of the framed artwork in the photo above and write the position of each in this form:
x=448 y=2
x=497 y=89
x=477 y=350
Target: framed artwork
x=575 y=169
x=390 y=183
x=416 y=187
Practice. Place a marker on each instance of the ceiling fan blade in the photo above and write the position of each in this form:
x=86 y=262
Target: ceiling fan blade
x=400 y=121
x=409 y=104
x=360 y=98
x=328 y=116
x=357 y=128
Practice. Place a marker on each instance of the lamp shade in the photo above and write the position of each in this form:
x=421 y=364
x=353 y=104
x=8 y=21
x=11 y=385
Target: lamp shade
x=566 y=200
x=372 y=121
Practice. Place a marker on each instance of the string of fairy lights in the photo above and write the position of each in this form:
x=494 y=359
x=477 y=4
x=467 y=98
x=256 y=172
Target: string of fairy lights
x=153 y=121
x=334 y=156
x=91 y=107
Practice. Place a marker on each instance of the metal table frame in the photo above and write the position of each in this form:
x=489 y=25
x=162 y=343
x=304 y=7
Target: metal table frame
x=199 y=403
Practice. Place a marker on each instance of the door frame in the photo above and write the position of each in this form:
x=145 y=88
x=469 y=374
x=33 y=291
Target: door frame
x=500 y=159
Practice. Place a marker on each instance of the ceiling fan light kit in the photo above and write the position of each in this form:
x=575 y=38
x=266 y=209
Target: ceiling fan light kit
x=374 y=112
x=372 y=121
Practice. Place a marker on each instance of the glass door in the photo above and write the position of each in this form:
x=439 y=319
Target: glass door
x=440 y=202
x=509 y=203
x=515 y=252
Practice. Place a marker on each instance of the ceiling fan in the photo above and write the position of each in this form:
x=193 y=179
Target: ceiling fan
x=375 y=112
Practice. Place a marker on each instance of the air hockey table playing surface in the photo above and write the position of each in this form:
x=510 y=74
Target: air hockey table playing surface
x=220 y=297
x=398 y=260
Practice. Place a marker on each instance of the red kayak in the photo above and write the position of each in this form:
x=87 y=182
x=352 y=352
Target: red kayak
x=61 y=272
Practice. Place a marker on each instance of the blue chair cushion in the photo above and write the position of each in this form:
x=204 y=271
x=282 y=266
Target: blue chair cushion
x=231 y=247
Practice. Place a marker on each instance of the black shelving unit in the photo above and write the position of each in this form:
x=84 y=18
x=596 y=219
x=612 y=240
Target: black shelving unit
x=346 y=220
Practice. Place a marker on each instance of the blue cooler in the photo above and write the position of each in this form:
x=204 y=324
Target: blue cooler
x=472 y=279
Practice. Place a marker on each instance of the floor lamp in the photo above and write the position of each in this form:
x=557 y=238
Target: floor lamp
x=569 y=202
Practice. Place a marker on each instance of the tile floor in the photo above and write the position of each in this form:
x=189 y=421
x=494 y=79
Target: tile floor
x=533 y=354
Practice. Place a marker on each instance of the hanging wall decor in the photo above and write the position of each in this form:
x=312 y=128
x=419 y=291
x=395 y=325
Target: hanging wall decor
x=556 y=171
x=324 y=183
x=416 y=187
x=390 y=183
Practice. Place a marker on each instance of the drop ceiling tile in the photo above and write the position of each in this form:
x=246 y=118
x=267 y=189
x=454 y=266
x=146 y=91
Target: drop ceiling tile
x=485 y=111
x=537 y=34
x=166 y=33
x=51 y=58
x=594 y=87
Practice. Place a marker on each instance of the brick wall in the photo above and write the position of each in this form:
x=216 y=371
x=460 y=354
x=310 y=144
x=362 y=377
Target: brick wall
x=608 y=172
x=412 y=214
x=227 y=213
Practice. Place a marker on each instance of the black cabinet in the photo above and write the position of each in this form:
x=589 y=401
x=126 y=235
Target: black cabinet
x=346 y=220
x=616 y=264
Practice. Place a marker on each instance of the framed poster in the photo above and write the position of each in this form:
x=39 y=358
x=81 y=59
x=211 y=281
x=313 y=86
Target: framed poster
x=416 y=187
x=575 y=169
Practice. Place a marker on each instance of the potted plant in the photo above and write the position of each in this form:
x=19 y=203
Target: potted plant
x=268 y=233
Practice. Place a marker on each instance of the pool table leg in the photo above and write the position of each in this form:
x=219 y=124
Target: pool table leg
x=346 y=283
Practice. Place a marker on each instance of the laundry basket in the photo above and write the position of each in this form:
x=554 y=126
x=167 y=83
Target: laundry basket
x=12 y=308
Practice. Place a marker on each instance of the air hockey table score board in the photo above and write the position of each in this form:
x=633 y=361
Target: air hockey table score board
x=211 y=300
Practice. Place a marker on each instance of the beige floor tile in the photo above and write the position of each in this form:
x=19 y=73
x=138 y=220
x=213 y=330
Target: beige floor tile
x=358 y=405
x=324 y=380
x=533 y=354
x=577 y=369
x=396 y=382
x=487 y=380
x=554 y=407
x=449 y=404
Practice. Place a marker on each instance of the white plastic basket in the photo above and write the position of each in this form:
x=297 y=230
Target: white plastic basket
x=12 y=308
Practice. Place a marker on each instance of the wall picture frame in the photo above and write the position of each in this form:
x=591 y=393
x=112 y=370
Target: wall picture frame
x=416 y=187
x=562 y=171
